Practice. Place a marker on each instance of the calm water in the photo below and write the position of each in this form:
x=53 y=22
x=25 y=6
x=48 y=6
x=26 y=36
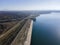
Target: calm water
x=46 y=30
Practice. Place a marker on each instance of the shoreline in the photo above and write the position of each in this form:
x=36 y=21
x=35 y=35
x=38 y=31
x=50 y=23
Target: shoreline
x=28 y=40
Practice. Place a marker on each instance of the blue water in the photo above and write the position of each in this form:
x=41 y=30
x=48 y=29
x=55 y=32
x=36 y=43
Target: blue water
x=46 y=30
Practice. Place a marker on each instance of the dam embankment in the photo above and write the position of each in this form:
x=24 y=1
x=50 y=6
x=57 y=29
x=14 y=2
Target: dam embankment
x=24 y=36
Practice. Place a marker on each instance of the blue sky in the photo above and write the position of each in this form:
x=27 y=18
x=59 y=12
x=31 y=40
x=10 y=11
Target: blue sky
x=29 y=4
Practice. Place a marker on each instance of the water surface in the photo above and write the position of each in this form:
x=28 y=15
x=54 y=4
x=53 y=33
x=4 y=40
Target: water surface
x=46 y=30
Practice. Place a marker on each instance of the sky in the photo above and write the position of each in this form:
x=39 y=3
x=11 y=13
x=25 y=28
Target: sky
x=29 y=4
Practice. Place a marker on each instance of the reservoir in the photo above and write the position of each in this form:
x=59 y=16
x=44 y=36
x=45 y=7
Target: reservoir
x=46 y=30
